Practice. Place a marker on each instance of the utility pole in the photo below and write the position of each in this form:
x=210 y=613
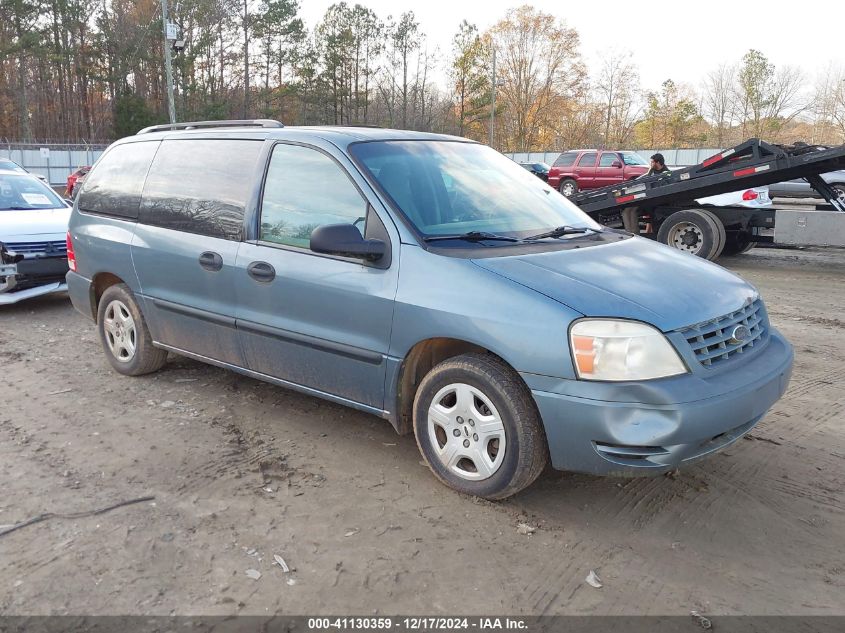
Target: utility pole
x=493 y=99
x=171 y=107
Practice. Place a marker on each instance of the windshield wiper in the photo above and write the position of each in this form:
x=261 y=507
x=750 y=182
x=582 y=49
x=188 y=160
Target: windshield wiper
x=472 y=236
x=561 y=231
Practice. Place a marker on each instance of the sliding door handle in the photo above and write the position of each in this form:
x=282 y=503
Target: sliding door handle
x=261 y=271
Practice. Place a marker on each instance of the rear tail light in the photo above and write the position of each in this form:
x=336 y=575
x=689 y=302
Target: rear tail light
x=71 y=258
x=750 y=195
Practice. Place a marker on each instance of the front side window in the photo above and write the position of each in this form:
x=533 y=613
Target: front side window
x=114 y=186
x=306 y=189
x=607 y=159
x=22 y=192
x=200 y=186
x=447 y=188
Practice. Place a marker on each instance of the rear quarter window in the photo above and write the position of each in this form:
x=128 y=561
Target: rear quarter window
x=114 y=186
x=201 y=186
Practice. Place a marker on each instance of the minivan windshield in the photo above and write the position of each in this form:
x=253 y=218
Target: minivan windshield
x=23 y=192
x=454 y=188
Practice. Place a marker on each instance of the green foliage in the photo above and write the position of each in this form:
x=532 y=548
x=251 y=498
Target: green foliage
x=472 y=94
x=131 y=113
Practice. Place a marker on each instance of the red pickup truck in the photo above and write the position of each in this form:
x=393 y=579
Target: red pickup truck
x=592 y=168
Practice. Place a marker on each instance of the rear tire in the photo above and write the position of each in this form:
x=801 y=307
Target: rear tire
x=692 y=231
x=720 y=228
x=123 y=332
x=738 y=242
x=568 y=187
x=478 y=428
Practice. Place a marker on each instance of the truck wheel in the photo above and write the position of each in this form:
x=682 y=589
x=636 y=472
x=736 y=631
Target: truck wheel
x=691 y=231
x=720 y=228
x=478 y=428
x=568 y=187
x=738 y=242
x=124 y=334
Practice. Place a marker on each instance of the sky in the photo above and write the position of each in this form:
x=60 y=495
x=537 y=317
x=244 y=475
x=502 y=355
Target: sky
x=668 y=39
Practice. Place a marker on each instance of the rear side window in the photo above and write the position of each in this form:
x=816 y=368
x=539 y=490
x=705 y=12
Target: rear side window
x=201 y=186
x=587 y=160
x=114 y=187
x=607 y=160
x=566 y=160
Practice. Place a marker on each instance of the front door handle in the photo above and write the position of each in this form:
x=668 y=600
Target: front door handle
x=261 y=271
x=211 y=261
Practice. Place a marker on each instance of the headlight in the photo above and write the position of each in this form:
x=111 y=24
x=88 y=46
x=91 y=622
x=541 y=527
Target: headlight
x=608 y=349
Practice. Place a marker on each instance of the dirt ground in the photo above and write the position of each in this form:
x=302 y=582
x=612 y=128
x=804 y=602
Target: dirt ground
x=242 y=470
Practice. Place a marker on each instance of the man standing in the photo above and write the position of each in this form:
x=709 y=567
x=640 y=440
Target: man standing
x=630 y=215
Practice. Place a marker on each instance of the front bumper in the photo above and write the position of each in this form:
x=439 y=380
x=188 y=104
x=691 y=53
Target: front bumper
x=604 y=434
x=32 y=277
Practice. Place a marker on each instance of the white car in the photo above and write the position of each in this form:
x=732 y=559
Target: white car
x=755 y=198
x=33 y=233
x=10 y=165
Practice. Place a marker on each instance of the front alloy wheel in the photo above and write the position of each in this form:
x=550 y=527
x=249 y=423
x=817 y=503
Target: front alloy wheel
x=477 y=426
x=466 y=432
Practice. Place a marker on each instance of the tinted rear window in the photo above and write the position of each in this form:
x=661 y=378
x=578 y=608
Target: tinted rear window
x=565 y=160
x=114 y=187
x=201 y=186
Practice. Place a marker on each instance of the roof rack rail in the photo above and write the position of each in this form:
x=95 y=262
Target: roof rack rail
x=196 y=125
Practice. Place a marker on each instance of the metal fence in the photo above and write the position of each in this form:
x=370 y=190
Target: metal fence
x=674 y=157
x=54 y=162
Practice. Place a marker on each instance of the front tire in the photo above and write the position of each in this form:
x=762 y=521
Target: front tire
x=478 y=428
x=123 y=332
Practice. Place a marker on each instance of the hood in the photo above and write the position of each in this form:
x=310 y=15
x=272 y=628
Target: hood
x=23 y=226
x=635 y=279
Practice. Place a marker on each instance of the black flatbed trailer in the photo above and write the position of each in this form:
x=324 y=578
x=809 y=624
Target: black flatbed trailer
x=668 y=210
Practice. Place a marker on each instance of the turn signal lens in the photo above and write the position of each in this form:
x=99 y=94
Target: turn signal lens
x=750 y=195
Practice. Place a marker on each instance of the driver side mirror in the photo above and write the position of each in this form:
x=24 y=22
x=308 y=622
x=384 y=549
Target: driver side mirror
x=346 y=240
x=617 y=164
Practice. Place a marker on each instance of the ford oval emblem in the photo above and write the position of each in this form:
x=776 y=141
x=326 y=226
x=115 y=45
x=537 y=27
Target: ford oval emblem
x=740 y=334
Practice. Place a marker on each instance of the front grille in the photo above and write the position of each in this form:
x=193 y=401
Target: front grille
x=38 y=248
x=711 y=341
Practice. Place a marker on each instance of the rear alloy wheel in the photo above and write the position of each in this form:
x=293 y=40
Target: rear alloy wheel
x=692 y=231
x=478 y=428
x=124 y=334
x=569 y=187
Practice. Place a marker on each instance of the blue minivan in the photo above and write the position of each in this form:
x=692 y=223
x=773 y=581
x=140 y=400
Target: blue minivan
x=425 y=279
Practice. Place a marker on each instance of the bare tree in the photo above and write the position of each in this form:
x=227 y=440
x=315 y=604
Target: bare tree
x=767 y=98
x=617 y=90
x=540 y=66
x=718 y=101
